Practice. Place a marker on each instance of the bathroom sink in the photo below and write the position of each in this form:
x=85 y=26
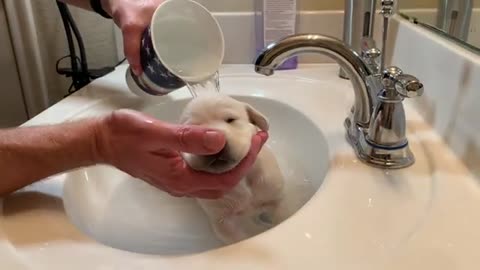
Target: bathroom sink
x=129 y=214
x=344 y=214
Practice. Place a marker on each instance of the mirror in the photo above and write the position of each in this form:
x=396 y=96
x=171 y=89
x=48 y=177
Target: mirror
x=457 y=20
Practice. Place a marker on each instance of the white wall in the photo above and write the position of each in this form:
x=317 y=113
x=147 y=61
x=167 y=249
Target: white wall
x=326 y=18
x=96 y=31
x=316 y=5
x=100 y=41
x=12 y=107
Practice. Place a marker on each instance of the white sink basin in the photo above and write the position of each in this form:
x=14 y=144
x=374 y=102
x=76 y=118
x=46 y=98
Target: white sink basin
x=126 y=213
x=349 y=215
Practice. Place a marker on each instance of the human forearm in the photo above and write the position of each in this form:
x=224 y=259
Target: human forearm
x=133 y=142
x=29 y=154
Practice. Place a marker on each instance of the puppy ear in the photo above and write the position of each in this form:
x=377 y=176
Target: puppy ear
x=257 y=118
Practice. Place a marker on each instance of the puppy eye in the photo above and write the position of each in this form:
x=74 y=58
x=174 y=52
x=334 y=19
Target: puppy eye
x=230 y=120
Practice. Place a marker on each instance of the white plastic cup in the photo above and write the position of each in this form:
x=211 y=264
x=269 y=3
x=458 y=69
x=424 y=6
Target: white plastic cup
x=183 y=43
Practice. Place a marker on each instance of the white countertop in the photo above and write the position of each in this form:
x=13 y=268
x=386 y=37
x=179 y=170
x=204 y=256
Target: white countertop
x=423 y=217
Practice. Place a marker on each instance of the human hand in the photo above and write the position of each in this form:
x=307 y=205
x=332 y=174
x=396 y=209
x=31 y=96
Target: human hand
x=149 y=149
x=133 y=17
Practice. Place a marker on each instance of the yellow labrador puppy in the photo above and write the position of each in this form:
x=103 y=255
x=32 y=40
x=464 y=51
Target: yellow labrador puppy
x=254 y=205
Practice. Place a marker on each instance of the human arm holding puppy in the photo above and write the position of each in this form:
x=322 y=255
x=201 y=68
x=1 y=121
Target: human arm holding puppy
x=131 y=141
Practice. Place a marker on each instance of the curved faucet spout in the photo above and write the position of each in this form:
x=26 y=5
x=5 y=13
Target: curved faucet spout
x=276 y=53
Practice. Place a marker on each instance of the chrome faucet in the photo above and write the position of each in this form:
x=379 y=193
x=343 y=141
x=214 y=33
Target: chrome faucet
x=358 y=72
x=376 y=126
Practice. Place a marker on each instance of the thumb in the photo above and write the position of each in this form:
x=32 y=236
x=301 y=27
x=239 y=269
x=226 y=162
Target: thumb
x=132 y=35
x=156 y=134
x=191 y=139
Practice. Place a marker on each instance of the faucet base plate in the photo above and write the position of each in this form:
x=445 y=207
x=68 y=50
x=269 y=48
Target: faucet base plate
x=380 y=157
x=397 y=158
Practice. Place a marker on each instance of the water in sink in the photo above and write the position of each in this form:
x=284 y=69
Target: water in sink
x=128 y=214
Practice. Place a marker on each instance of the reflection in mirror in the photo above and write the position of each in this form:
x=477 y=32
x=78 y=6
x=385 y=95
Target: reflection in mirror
x=453 y=17
x=458 y=20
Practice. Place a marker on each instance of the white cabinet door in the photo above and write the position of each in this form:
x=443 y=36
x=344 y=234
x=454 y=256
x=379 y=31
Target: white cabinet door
x=12 y=106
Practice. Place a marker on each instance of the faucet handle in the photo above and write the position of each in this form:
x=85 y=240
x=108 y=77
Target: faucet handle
x=408 y=86
x=371 y=53
x=388 y=7
x=370 y=56
x=405 y=85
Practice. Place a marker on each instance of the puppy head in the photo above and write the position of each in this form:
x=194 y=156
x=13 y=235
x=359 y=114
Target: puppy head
x=237 y=120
